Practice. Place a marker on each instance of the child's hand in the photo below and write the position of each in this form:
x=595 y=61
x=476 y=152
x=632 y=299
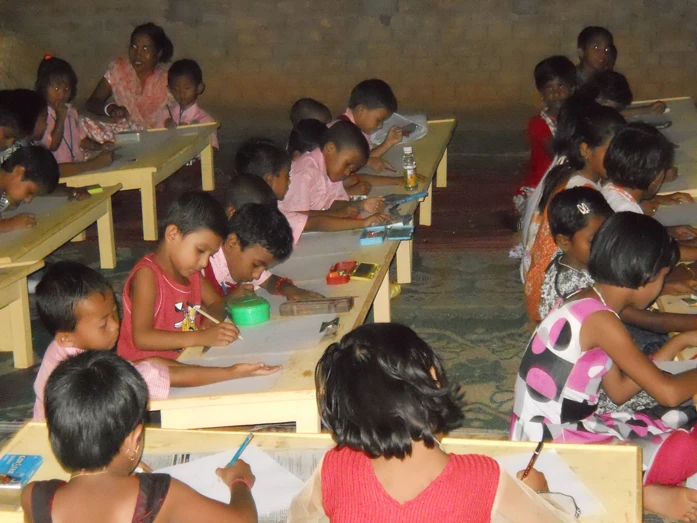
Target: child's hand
x=373 y=205
x=246 y=370
x=61 y=112
x=394 y=136
x=117 y=111
x=219 y=335
x=535 y=480
x=360 y=188
x=376 y=219
x=678 y=198
x=350 y=211
x=238 y=470
x=245 y=289
x=671 y=174
x=21 y=221
x=293 y=293
x=683 y=232
x=103 y=159
x=169 y=123
x=78 y=194
x=378 y=165
x=107 y=146
x=679 y=288
x=658 y=107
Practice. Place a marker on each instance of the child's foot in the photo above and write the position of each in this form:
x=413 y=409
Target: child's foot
x=678 y=503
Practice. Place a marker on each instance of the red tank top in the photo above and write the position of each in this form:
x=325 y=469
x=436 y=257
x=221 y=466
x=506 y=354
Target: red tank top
x=171 y=310
x=464 y=491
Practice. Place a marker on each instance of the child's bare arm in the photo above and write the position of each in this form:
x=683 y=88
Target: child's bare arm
x=331 y=223
x=213 y=302
x=58 y=127
x=103 y=159
x=288 y=289
x=662 y=322
x=377 y=180
x=21 y=221
x=394 y=136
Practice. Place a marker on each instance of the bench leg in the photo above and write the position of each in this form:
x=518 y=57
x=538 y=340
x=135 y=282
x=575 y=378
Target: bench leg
x=404 y=257
x=442 y=171
x=149 y=205
x=309 y=421
x=80 y=237
x=105 y=233
x=381 y=305
x=15 y=319
x=425 y=207
x=207 y=172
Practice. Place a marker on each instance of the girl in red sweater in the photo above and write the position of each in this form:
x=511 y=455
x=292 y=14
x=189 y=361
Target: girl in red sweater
x=384 y=395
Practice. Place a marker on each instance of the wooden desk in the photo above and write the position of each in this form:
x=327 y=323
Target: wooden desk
x=611 y=472
x=15 y=316
x=143 y=165
x=57 y=222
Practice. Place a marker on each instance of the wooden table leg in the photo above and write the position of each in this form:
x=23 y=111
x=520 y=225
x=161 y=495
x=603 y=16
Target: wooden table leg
x=404 y=257
x=149 y=205
x=15 y=318
x=308 y=422
x=105 y=234
x=80 y=237
x=381 y=304
x=425 y=207
x=442 y=171
x=207 y=172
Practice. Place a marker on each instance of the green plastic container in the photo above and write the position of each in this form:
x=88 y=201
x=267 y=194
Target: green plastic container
x=249 y=310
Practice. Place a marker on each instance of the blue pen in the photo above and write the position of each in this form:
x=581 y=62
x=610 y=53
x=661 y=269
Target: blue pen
x=240 y=450
x=224 y=287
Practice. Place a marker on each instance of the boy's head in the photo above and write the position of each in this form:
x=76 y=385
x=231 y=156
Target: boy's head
x=345 y=150
x=96 y=404
x=185 y=82
x=638 y=158
x=555 y=79
x=29 y=171
x=194 y=227
x=56 y=81
x=76 y=305
x=32 y=112
x=267 y=160
x=247 y=189
x=260 y=237
x=309 y=109
x=595 y=48
x=609 y=88
x=372 y=102
x=305 y=136
x=10 y=126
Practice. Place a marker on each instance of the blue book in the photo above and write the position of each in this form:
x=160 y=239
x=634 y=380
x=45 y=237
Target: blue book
x=17 y=469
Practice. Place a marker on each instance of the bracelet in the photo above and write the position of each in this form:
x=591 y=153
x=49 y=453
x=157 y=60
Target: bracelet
x=241 y=480
x=689 y=269
x=106 y=108
x=280 y=282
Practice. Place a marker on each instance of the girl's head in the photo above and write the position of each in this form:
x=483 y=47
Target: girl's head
x=345 y=150
x=95 y=407
x=149 y=46
x=382 y=388
x=638 y=158
x=56 y=81
x=267 y=160
x=634 y=251
x=555 y=79
x=33 y=114
x=595 y=48
x=575 y=215
x=609 y=88
x=194 y=228
x=305 y=136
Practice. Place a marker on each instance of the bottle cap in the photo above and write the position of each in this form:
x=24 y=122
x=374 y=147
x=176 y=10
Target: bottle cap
x=407 y=149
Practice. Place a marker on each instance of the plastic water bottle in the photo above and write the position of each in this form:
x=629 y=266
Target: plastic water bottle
x=409 y=168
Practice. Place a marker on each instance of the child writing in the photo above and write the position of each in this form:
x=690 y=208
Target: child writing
x=309 y=109
x=305 y=136
x=77 y=306
x=64 y=136
x=388 y=464
x=582 y=345
x=96 y=405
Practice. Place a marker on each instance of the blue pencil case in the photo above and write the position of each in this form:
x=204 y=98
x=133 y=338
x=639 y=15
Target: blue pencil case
x=373 y=235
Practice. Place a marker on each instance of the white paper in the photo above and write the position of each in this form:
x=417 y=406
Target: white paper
x=676 y=367
x=671 y=215
x=401 y=120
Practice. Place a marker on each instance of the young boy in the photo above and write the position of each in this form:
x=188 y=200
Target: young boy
x=265 y=159
x=594 y=46
x=10 y=130
x=316 y=195
x=309 y=109
x=77 y=306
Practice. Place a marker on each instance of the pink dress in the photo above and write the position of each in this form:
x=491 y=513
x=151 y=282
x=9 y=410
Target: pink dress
x=189 y=116
x=69 y=150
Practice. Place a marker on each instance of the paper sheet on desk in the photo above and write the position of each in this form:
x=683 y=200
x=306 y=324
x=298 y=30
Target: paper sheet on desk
x=670 y=215
x=402 y=120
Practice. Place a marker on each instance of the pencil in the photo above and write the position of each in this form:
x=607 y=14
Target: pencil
x=214 y=320
x=240 y=450
x=533 y=459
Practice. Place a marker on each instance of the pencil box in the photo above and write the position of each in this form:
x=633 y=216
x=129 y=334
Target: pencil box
x=400 y=232
x=317 y=306
x=372 y=235
x=17 y=469
x=342 y=272
x=393 y=200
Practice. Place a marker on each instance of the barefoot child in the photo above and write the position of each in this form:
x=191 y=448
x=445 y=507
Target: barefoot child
x=95 y=411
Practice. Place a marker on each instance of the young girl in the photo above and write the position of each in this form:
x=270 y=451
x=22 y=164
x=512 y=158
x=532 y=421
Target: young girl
x=95 y=410
x=65 y=136
x=388 y=464
x=582 y=344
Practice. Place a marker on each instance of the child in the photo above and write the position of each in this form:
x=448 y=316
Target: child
x=594 y=46
x=610 y=89
x=10 y=125
x=309 y=109
x=56 y=81
x=185 y=82
x=33 y=115
x=582 y=345
x=77 y=306
x=163 y=289
x=316 y=193
x=305 y=136
x=388 y=464
x=555 y=81
x=96 y=405
x=267 y=160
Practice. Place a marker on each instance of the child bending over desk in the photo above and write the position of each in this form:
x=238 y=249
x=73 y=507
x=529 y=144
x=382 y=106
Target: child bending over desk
x=383 y=394
x=309 y=109
x=95 y=411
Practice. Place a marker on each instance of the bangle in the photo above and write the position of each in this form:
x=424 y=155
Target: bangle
x=689 y=269
x=280 y=283
x=241 y=480
x=106 y=108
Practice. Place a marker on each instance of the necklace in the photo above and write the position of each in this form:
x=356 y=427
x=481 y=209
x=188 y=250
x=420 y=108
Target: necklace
x=599 y=295
x=86 y=473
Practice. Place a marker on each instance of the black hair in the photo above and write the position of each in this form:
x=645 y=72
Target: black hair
x=571 y=210
x=93 y=402
x=609 y=87
x=9 y=118
x=242 y=190
x=591 y=32
x=29 y=105
x=194 y=211
x=52 y=68
x=373 y=94
x=62 y=288
x=39 y=165
x=159 y=38
x=630 y=249
x=553 y=68
x=263 y=225
x=346 y=135
x=185 y=67
x=306 y=136
x=637 y=155
x=260 y=157
x=376 y=393
x=309 y=109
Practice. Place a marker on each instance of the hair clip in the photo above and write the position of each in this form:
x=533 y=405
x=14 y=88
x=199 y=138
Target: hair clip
x=583 y=208
x=48 y=56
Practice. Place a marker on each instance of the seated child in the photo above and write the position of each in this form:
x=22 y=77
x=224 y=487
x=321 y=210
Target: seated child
x=56 y=81
x=582 y=345
x=185 y=82
x=10 y=125
x=555 y=80
x=304 y=137
x=309 y=109
x=388 y=464
x=33 y=116
x=96 y=405
x=267 y=160
x=610 y=89
x=77 y=306
x=594 y=47
x=316 y=191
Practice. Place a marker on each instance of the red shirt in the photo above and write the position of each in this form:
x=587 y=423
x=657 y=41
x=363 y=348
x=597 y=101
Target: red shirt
x=540 y=140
